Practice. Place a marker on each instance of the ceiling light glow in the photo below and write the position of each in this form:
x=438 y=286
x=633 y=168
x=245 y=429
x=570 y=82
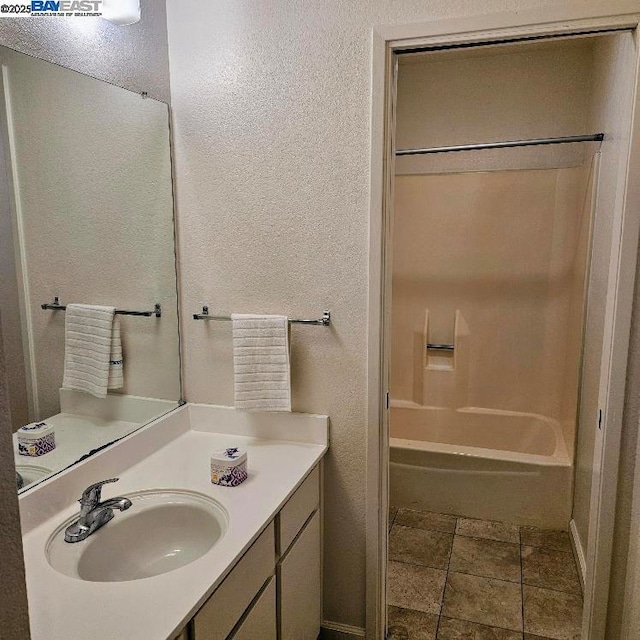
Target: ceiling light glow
x=121 y=12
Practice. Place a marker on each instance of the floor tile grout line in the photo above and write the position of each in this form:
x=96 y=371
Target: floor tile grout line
x=521 y=580
x=568 y=593
x=477 y=575
x=481 y=624
x=477 y=537
x=393 y=520
x=406 y=526
x=522 y=546
x=484 y=624
x=480 y=539
x=426 y=566
x=446 y=580
x=474 y=575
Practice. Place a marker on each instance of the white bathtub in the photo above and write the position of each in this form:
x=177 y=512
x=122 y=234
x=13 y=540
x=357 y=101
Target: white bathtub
x=480 y=463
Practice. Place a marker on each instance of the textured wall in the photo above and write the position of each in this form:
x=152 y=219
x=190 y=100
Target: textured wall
x=272 y=105
x=14 y=616
x=134 y=57
x=503 y=85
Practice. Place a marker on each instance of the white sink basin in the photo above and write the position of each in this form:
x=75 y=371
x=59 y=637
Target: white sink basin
x=161 y=531
x=32 y=473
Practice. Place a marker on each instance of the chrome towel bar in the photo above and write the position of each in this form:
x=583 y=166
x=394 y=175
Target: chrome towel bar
x=56 y=306
x=325 y=321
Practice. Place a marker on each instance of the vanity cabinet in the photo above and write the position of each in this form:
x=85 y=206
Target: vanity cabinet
x=298 y=570
x=274 y=591
x=222 y=611
x=299 y=580
x=261 y=621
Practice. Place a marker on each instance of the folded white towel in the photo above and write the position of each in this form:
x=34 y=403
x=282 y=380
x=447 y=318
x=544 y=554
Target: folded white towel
x=91 y=337
x=116 y=370
x=261 y=362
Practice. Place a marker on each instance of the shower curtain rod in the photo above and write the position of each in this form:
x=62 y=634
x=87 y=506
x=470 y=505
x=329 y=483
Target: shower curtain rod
x=594 y=137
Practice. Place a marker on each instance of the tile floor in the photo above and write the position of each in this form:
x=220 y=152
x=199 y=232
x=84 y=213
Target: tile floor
x=455 y=578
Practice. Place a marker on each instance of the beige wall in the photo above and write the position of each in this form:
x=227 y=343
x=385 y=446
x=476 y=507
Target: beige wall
x=506 y=249
x=97 y=220
x=14 y=616
x=272 y=108
x=435 y=92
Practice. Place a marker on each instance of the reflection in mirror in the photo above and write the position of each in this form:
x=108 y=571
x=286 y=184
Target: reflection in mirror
x=86 y=215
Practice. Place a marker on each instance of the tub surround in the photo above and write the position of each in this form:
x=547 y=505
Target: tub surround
x=171 y=453
x=513 y=310
x=496 y=413
x=450 y=460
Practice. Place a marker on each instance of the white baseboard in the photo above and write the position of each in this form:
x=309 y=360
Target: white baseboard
x=578 y=551
x=337 y=631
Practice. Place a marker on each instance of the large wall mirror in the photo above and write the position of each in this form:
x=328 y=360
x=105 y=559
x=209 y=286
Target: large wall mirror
x=87 y=263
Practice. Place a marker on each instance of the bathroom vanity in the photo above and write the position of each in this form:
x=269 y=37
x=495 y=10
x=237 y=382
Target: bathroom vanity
x=285 y=559
x=261 y=577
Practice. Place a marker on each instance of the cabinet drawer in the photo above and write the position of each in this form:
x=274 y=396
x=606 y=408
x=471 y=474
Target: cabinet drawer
x=298 y=509
x=261 y=619
x=225 y=607
x=299 y=580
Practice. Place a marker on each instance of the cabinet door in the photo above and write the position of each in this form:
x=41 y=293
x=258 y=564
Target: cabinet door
x=300 y=595
x=298 y=509
x=260 y=622
x=221 y=612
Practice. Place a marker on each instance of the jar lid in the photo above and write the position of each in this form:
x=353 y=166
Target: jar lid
x=230 y=457
x=35 y=431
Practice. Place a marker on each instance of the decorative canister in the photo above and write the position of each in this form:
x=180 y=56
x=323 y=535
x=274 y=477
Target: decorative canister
x=36 y=439
x=229 y=467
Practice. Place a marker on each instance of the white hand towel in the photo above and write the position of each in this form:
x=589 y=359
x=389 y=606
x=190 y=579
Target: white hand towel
x=89 y=342
x=116 y=370
x=261 y=362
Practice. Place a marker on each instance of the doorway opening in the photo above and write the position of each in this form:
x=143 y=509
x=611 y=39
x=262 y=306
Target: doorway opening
x=505 y=201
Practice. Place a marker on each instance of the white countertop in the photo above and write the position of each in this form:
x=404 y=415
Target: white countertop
x=156 y=608
x=85 y=424
x=76 y=435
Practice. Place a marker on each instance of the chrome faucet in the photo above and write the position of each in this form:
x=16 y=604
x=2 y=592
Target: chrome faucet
x=93 y=513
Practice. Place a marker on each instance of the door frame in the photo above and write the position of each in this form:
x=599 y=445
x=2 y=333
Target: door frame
x=572 y=17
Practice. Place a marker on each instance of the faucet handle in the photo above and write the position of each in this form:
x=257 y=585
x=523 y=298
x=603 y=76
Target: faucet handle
x=91 y=495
